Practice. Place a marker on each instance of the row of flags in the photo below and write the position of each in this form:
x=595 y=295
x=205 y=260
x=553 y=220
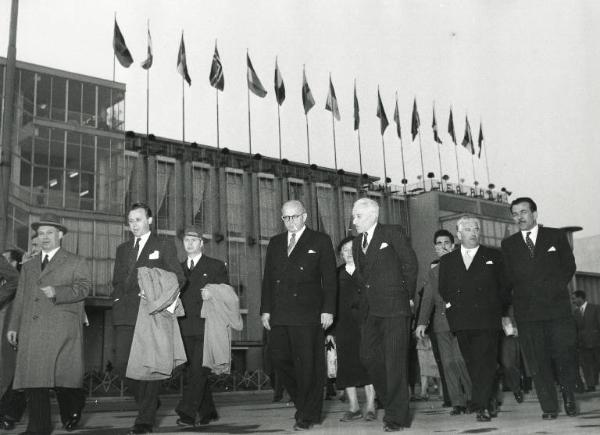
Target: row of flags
x=217 y=80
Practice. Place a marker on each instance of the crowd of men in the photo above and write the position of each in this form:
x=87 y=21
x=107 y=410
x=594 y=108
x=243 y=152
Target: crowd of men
x=481 y=306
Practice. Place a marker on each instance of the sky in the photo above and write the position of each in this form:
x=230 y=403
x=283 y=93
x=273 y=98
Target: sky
x=525 y=69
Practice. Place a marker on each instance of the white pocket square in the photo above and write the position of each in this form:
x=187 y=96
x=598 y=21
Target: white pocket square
x=310 y=251
x=489 y=262
x=448 y=305
x=154 y=256
x=383 y=245
x=552 y=249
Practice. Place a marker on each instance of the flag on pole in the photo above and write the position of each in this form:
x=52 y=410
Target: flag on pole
x=121 y=51
x=383 y=121
x=467 y=141
x=331 y=103
x=254 y=83
x=182 y=63
x=434 y=126
x=356 y=110
x=397 y=120
x=307 y=99
x=150 y=58
x=216 y=76
x=279 y=86
x=416 y=122
x=451 y=127
x=480 y=140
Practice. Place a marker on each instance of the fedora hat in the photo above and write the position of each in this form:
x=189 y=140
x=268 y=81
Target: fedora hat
x=49 y=219
x=193 y=231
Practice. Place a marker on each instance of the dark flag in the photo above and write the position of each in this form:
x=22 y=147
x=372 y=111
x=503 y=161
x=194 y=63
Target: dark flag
x=416 y=122
x=397 y=119
x=436 y=137
x=331 y=103
x=150 y=58
x=467 y=141
x=451 y=127
x=383 y=121
x=279 y=86
x=254 y=83
x=182 y=63
x=216 y=76
x=307 y=99
x=356 y=110
x=480 y=140
x=121 y=51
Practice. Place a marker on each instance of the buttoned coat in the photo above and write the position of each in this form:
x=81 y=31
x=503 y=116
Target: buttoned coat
x=50 y=332
x=387 y=273
x=298 y=288
x=475 y=297
x=156 y=253
x=539 y=284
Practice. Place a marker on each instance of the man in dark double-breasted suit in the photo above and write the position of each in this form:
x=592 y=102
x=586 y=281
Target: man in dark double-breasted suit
x=386 y=271
x=539 y=266
x=145 y=250
x=199 y=270
x=298 y=302
x=587 y=318
x=472 y=285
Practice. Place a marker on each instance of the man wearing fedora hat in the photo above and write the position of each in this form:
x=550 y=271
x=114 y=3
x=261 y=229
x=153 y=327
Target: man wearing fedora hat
x=199 y=270
x=46 y=326
x=144 y=250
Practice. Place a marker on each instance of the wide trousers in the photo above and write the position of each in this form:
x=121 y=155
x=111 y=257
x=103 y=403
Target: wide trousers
x=384 y=352
x=298 y=357
x=458 y=380
x=70 y=401
x=479 y=348
x=549 y=350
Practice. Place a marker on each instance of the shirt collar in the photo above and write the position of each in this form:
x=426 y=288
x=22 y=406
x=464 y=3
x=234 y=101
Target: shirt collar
x=471 y=251
x=370 y=232
x=582 y=307
x=194 y=258
x=533 y=235
x=144 y=238
x=298 y=234
x=50 y=254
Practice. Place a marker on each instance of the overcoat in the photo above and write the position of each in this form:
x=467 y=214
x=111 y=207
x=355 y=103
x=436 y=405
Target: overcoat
x=50 y=332
x=9 y=278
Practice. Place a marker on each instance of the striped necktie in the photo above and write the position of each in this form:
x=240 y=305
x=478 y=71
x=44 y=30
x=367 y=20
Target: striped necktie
x=530 y=244
x=291 y=244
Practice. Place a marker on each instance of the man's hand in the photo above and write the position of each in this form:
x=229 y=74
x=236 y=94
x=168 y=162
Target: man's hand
x=206 y=294
x=265 y=320
x=48 y=291
x=420 y=331
x=326 y=320
x=12 y=337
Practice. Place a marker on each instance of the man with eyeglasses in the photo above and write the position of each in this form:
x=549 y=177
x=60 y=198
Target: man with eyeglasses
x=298 y=303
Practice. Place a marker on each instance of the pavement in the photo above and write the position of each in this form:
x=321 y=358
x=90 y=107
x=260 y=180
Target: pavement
x=254 y=413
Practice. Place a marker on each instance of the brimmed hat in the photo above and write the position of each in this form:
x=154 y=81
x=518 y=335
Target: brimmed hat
x=192 y=231
x=49 y=219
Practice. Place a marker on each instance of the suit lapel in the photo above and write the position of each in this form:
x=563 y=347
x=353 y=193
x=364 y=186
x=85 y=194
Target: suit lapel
x=149 y=247
x=300 y=244
x=373 y=248
x=56 y=261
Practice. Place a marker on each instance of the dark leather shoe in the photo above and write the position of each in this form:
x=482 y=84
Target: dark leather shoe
x=590 y=389
x=140 y=428
x=392 y=427
x=185 y=420
x=71 y=423
x=519 y=396
x=213 y=416
x=302 y=425
x=457 y=410
x=371 y=416
x=570 y=405
x=351 y=416
x=549 y=415
x=493 y=408
x=483 y=416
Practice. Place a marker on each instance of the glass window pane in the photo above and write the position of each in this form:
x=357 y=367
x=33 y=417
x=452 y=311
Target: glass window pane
x=86 y=194
x=57 y=148
x=73 y=151
x=103 y=108
x=201 y=199
x=40 y=184
x=88 y=111
x=103 y=178
x=72 y=189
x=74 y=115
x=59 y=99
x=25 y=98
x=26 y=147
x=235 y=204
x=44 y=89
x=25 y=174
x=42 y=139
x=87 y=155
x=56 y=186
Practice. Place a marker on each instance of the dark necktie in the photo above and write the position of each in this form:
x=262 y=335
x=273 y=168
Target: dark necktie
x=134 y=252
x=45 y=261
x=291 y=244
x=530 y=244
x=365 y=243
x=191 y=266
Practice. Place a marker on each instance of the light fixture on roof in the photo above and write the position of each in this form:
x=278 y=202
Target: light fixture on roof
x=73 y=174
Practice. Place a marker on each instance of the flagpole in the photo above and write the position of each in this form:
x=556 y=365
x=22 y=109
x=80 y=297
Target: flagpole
x=279 y=128
x=183 y=109
x=486 y=163
x=422 y=165
x=307 y=138
x=440 y=159
x=384 y=164
x=249 y=128
x=473 y=163
x=334 y=146
x=114 y=56
x=218 y=135
x=359 y=152
x=457 y=168
x=403 y=169
x=148 y=92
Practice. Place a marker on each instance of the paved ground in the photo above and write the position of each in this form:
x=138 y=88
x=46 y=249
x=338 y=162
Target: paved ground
x=253 y=413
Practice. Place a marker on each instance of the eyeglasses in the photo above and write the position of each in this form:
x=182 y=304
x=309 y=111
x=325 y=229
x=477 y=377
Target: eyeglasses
x=292 y=217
